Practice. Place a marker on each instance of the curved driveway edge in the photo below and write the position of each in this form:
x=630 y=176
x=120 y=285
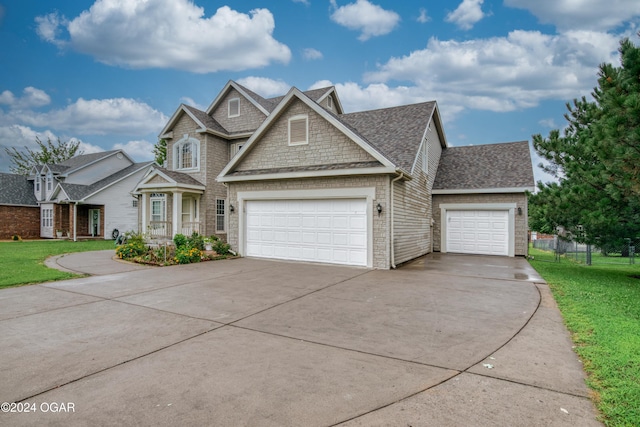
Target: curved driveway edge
x=255 y=342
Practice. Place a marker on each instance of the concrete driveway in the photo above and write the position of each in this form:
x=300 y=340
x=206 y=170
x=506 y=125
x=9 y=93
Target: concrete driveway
x=445 y=340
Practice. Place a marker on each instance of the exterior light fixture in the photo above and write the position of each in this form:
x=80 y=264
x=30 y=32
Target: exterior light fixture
x=379 y=209
x=231 y=208
x=519 y=211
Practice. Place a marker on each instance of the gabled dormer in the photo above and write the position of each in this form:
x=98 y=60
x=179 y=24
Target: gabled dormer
x=238 y=109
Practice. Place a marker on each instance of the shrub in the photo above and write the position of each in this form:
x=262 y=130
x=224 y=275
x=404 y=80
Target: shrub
x=196 y=241
x=134 y=247
x=221 y=247
x=187 y=255
x=180 y=240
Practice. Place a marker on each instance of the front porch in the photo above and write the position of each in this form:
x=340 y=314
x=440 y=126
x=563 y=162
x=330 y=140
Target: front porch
x=164 y=229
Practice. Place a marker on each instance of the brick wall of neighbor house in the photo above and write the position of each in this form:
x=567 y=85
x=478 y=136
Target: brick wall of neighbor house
x=21 y=220
x=412 y=231
x=381 y=247
x=249 y=119
x=327 y=145
x=217 y=157
x=521 y=225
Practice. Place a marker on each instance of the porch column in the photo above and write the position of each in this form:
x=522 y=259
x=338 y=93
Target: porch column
x=143 y=223
x=177 y=213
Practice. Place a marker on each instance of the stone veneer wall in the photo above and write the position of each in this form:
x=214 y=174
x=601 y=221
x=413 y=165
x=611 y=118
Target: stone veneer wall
x=521 y=221
x=381 y=249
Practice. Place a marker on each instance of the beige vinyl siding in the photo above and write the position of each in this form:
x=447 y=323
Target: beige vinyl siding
x=412 y=206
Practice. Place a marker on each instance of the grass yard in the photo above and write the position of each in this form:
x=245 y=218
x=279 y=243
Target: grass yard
x=22 y=262
x=601 y=308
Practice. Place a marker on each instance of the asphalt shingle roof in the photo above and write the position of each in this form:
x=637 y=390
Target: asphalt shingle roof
x=395 y=132
x=506 y=165
x=179 y=177
x=207 y=120
x=16 y=190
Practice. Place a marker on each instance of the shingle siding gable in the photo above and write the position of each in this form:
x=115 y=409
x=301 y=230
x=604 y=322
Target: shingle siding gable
x=327 y=145
x=249 y=119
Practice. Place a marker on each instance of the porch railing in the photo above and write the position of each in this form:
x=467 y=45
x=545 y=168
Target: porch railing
x=188 y=228
x=160 y=230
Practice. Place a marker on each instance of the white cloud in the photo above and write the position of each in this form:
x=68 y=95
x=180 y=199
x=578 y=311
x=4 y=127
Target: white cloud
x=23 y=136
x=32 y=97
x=423 y=17
x=467 y=14
x=304 y=2
x=87 y=148
x=370 y=19
x=190 y=101
x=503 y=73
x=94 y=117
x=169 y=34
x=580 y=14
x=311 y=54
x=264 y=86
x=548 y=123
x=140 y=150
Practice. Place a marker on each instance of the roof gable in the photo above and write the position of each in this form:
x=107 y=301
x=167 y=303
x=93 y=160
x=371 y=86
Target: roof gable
x=492 y=166
x=159 y=177
x=279 y=117
x=250 y=96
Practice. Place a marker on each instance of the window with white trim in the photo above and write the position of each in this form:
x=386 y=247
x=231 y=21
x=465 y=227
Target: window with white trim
x=234 y=107
x=186 y=154
x=49 y=181
x=47 y=218
x=220 y=215
x=330 y=103
x=37 y=189
x=158 y=207
x=299 y=130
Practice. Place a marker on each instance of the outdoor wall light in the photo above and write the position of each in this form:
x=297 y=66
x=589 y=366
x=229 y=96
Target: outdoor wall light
x=519 y=211
x=379 y=209
x=231 y=208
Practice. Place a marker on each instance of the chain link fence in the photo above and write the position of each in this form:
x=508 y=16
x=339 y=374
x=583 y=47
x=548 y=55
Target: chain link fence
x=621 y=253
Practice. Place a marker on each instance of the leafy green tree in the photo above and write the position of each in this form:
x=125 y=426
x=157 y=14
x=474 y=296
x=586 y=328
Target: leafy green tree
x=160 y=151
x=596 y=159
x=48 y=153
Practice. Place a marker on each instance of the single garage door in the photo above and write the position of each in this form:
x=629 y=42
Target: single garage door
x=331 y=231
x=478 y=232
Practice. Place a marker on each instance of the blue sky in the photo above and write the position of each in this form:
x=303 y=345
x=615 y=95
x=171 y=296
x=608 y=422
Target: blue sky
x=111 y=72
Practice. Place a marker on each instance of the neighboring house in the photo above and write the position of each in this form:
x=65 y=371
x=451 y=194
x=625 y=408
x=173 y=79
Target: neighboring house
x=296 y=178
x=86 y=196
x=19 y=210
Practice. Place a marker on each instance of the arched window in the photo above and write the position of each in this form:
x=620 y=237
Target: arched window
x=186 y=153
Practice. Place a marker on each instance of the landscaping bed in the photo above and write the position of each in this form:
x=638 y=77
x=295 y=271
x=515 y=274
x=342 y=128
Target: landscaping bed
x=181 y=250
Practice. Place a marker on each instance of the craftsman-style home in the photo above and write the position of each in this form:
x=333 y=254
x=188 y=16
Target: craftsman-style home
x=297 y=178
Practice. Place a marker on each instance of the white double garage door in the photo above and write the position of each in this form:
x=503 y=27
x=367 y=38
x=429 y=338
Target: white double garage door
x=317 y=230
x=488 y=231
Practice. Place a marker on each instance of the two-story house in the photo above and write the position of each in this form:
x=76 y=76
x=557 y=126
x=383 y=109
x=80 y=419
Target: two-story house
x=296 y=178
x=86 y=196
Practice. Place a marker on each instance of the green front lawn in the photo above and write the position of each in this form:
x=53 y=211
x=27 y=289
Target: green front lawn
x=22 y=262
x=601 y=308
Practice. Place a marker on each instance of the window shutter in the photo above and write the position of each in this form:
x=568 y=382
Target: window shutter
x=298 y=131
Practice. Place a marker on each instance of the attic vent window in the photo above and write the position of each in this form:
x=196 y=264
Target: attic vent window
x=330 y=103
x=299 y=130
x=234 y=107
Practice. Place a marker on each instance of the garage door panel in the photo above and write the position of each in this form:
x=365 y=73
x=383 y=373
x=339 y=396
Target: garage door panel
x=478 y=231
x=333 y=231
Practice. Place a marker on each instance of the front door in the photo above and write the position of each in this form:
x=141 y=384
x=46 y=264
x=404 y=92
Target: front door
x=94 y=222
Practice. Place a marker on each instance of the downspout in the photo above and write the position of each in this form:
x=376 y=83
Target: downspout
x=393 y=255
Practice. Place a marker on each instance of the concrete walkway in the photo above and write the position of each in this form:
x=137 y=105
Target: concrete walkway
x=448 y=340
